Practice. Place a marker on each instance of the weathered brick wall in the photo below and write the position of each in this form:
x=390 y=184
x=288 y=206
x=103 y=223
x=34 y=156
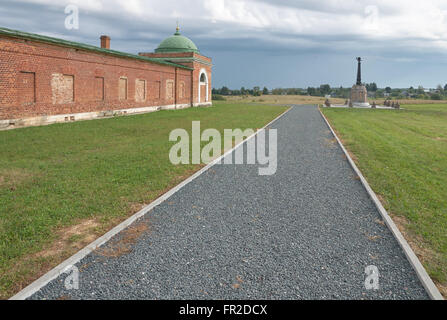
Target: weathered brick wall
x=38 y=79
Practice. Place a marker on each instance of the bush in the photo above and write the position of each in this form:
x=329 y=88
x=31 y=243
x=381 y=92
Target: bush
x=218 y=97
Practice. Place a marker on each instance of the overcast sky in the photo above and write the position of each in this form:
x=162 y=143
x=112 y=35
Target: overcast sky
x=295 y=43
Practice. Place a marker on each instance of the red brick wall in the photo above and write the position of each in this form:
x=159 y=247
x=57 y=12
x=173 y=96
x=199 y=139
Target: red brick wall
x=68 y=80
x=194 y=78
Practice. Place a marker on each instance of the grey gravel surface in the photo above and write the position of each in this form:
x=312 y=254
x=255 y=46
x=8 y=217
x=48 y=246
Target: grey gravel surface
x=307 y=232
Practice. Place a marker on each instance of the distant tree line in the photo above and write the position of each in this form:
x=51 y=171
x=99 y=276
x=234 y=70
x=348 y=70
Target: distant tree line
x=225 y=91
x=440 y=93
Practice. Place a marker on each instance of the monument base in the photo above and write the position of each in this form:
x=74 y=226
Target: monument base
x=359 y=94
x=361 y=105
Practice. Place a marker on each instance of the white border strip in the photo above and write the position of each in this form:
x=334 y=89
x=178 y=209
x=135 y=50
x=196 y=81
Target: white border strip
x=57 y=271
x=10 y=124
x=422 y=274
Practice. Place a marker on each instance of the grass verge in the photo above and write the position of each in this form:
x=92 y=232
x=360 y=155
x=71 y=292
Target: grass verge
x=403 y=155
x=63 y=185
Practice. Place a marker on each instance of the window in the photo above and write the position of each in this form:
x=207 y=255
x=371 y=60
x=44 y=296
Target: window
x=62 y=86
x=182 y=91
x=140 y=90
x=123 y=88
x=99 y=88
x=169 y=89
x=27 y=87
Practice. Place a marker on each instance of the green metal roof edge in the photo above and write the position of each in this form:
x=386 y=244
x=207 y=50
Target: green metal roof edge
x=77 y=45
x=176 y=50
x=192 y=59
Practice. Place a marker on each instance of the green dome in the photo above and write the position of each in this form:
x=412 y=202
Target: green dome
x=177 y=43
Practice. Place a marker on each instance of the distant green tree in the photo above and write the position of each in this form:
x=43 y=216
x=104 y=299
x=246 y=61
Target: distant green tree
x=436 y=96
x=371 y=87
x=224 y=91
x=265 y=90
x=311 y=91
x=388 y=89
x=325 y=89
x=421 y=90
x=256 y=91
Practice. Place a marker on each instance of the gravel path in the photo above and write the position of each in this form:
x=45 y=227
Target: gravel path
x=307 y=232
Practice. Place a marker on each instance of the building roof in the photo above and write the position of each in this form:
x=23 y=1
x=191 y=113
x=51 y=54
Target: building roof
x=177 y=43
x=82 y=46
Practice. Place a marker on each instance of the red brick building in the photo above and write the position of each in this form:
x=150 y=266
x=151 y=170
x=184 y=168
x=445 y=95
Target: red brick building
x=46 y=80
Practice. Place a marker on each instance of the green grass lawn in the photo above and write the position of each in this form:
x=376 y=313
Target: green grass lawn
x=403 y=154
x=57 y=176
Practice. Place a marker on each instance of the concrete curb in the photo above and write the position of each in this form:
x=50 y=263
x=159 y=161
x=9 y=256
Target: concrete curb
x=62 y=267
x=422 y=274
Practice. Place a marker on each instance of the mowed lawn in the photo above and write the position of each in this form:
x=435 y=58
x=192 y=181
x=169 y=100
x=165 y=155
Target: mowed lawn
x=403 y=154
x=63 y=185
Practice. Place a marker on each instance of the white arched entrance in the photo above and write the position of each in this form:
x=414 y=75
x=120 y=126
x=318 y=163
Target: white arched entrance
x=203 y=82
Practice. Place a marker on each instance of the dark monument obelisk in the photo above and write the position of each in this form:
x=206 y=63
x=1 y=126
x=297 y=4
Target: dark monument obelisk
x=359 y=71
x=359 y=94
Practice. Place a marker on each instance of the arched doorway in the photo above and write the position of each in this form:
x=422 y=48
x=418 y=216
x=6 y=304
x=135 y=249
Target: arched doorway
x=203 y=86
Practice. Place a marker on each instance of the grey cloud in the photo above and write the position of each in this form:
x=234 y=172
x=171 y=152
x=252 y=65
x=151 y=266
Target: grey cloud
x=276 y=49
